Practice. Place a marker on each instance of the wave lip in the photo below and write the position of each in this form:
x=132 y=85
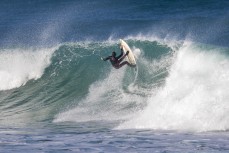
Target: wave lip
x=17 y=66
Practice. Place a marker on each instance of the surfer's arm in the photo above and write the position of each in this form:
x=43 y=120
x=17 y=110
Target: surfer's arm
x=120 y=54
x=120 y=60
x=107 y=58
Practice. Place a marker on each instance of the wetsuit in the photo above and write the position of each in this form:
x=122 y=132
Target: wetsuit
x=116 y=61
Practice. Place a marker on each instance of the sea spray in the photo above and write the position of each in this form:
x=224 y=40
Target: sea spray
x=17 y=66
x=194 y=97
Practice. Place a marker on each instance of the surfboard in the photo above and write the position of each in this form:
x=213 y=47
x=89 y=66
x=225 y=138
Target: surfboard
x=130 y=56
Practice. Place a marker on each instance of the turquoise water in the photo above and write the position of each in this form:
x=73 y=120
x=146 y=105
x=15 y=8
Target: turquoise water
x=56 y=95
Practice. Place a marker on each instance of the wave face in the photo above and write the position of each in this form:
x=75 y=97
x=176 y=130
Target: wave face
x=51 y=72
x=72 y=75
x=177 y=86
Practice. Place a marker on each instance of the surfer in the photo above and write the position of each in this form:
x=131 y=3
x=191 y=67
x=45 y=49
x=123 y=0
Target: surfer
x=117 y=61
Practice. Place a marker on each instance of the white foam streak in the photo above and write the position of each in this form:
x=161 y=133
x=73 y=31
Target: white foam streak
x=17 y=66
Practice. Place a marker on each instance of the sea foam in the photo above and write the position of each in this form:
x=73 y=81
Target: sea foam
x=17 y=66
x=194 y=97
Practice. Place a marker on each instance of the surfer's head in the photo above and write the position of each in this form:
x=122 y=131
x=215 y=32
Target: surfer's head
x=113 y=54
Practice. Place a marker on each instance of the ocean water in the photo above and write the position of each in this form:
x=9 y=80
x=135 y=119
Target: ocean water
x=56 y=95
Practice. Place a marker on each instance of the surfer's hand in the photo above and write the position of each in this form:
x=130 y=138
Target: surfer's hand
x=127 y=52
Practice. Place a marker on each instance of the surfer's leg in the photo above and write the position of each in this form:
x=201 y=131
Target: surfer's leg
x=124 y=63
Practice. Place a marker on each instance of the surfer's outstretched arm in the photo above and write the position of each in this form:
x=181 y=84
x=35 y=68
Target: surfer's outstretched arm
x=107 y=58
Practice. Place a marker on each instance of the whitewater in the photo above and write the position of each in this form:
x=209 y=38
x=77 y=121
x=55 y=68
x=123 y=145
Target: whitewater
x=57 y=95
